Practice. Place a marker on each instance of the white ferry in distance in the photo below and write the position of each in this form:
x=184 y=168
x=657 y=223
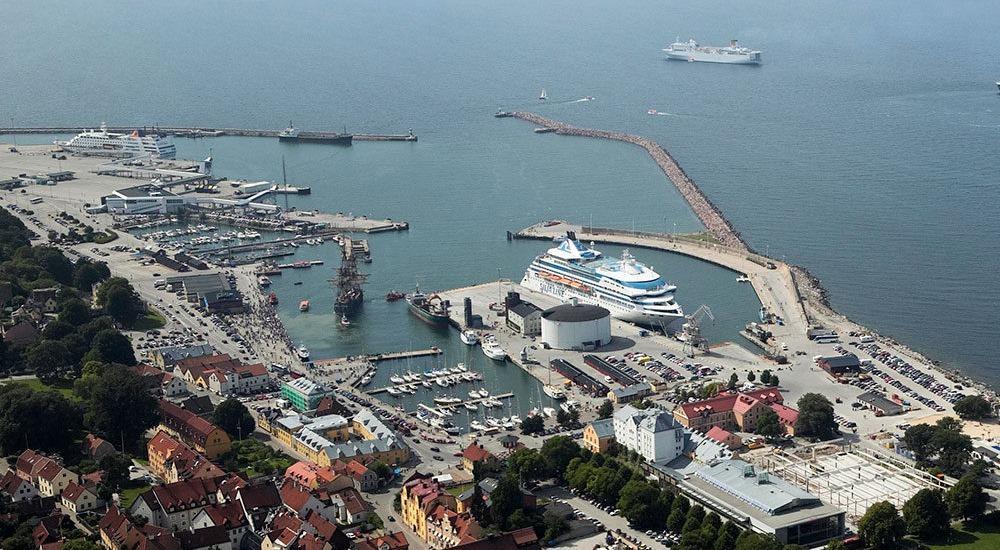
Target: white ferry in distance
x=733 y=53
x=134 y=144
x=628 y=289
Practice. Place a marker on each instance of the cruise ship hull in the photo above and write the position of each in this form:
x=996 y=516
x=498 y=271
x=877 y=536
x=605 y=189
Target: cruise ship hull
x=631 y=313
x=713 y=58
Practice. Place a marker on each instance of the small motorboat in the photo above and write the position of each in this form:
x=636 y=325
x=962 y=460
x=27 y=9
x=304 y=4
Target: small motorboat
x=304 y=305
x=743 y=279
x=469 y=337
x=272 y=298
x=344 y=322
x=652 y=112
x=297 y=283
x=393 y=296
x=303 y=353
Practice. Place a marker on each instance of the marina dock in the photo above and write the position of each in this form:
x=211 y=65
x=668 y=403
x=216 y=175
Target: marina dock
x=205 y=132
x=375 y=358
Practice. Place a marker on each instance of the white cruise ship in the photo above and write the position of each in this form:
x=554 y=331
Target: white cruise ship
x=733 y=53
x=628 y=289
x=134 y=144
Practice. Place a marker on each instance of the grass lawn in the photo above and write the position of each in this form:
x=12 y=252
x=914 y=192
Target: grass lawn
x=458 y=489
x=64 y=387
x=150 y=321
x=976 y=537
x=129 y=495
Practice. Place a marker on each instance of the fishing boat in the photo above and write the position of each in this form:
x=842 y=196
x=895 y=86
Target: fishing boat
x=430 y=309
x=304 y=305
x=553 y=391
x=393 y=296
x=303 y=353
x=469 y=337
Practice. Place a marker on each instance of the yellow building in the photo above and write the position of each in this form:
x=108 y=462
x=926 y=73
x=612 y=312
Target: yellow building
x=598 y=435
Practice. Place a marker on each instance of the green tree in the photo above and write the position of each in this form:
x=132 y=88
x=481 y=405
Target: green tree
x=636 y=502
x=113 y=347
x=74 y=312
x=43 y=420
x=562 y=418
x=115 y=467
x=734 y=381
x=973 y=407
x=504 y=500
x=234 y=418
x=81 y=544
x=765 y=377
x=533 y=425
x=836 y=545
x=696 y=539
x=693 y=519
x=18 y=542
x=815 y=417
x=47 y=359
x=774 y=380
x=57 y=329
x=554 y=524
x=966 y=500
x=101 y=297
x=726 y=539
x=557 y=452
x=751 y=376
x=678 y=513
x=528 y=465
x=881 y=527
x=925 y=514
x=54 y=263
x=748 y=540
x=606 y=409
x=86 y=275
x=119 y=406
x=917 y=439
x=381 y=469
x=123 y=305
x=768 y=425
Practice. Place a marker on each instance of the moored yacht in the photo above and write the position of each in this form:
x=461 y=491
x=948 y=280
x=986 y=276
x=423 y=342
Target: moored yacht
x=469 y=337
x=493 y=350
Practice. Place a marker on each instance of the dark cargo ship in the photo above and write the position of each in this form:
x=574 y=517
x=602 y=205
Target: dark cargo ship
x=430 y=309
x=293 y=135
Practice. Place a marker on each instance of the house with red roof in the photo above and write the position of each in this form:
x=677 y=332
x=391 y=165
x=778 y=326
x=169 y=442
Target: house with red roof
x=223 y=374
x=724 y=437
x=258 y=501
x=160 y=382
x=522 y=539
x=228 y=515
x=200 y=434
x=315 y=477
x=172 y=460
x=392 y=541
x=730 y=411
x=433 y=513
x=48 y=532
x=351 y=507
x=173 y=506
x=47 y=475
x=787 y=417
x=76 y=498
x=477 y=454
x=16 y=488
x=303 y=502
x=364 y=479
x=96 y=448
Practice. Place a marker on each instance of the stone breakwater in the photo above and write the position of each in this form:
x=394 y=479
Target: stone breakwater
x=707 y=212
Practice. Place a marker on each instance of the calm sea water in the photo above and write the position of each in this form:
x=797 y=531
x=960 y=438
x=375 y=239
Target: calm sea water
x=864 y=148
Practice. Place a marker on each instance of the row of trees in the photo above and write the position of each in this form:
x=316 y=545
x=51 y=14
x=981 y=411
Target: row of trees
x=621 y=484
x=926 y=515
x=940 y=446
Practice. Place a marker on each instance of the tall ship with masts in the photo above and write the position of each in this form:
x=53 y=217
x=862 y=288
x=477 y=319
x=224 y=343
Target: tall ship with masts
x=348 y=281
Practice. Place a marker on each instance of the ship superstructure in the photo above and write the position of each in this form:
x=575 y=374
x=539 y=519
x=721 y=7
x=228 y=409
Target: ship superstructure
x=137 y=143
x=630 y=290
x=733 y=53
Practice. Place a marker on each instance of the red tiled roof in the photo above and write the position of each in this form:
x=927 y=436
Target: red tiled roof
x=786 y=414
x=727 y=401
x=258 y=496
x=718 y=434
x=27 y=462
x=73 y=492
x=190 y=493
x=189 y=425
x=744 y=403
x=229 y=514
x=522 y=539
x=356 y=469
x=476 y=452
x=309 y=474
x=50 y=470
x=294 y=497
x=394 y=541
x=353 y=501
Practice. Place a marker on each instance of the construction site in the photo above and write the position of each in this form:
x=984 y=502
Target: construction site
x=848 y=475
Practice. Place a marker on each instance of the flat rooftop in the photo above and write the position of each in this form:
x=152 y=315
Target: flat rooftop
x=140 y=191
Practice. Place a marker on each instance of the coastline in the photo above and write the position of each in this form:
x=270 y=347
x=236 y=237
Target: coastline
x=813 y=297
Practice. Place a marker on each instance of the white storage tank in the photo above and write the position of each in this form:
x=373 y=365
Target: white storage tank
x=576 y=326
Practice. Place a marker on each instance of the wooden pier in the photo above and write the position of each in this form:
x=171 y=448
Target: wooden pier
x=375 y=358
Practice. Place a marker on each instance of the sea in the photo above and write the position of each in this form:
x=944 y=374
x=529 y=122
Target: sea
x=864 y=147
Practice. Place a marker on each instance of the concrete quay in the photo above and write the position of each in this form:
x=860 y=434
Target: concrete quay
x=709 y=214
x=203 y=132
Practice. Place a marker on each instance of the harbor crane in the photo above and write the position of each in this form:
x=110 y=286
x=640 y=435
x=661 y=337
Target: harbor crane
x=691 y=331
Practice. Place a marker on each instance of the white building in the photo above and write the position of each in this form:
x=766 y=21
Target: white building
x=652 y=433
x=525 y=318
x=143 y=199
x=576 y=326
